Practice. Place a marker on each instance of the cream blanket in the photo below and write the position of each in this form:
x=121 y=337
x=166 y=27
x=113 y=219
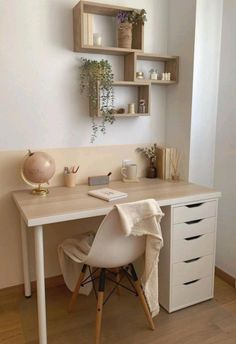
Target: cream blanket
x=71 y=254
x=143 y=218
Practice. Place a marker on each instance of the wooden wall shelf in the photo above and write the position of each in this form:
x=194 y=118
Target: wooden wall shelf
x=85 y=7
x=90 y=49
x=81 y=12
x=143 y=93
x=171 y=65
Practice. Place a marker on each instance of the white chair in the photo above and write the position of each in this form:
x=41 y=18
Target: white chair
x=112 y=249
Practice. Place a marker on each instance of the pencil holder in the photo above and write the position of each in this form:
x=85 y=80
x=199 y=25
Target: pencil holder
x=70 y=180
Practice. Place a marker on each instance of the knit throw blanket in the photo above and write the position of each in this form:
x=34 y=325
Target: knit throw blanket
x=143 y=218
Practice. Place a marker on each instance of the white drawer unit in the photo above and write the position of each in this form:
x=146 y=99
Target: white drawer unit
x=192 y=269
x=193 y=247
x=193 y=228
x=189 y=293
x=194 y=211
x=187 y=260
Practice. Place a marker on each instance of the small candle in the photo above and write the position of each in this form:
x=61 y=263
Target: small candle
x=131 y=108
x=97 y=39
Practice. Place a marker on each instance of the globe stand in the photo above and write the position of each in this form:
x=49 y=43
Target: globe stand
x=40 y=191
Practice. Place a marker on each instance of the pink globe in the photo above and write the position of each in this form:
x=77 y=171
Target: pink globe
x=38 y=167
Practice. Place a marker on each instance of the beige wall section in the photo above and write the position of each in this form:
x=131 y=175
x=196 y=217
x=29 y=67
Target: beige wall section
x=92 y=161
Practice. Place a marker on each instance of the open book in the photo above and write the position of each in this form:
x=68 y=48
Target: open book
x=107 y=194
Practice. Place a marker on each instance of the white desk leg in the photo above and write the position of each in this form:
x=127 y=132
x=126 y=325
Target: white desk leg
x=41 y=301
x=25 y=258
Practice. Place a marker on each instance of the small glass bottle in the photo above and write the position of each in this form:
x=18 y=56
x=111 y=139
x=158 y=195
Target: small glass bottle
x=142 y=106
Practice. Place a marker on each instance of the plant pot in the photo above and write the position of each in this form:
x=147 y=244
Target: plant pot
x=175 y=177
x=125 y=35
x=151 y=171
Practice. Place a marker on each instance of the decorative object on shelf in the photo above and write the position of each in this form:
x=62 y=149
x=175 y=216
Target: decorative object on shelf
x=166 y=76
x=167 y=158
x=126 y=20
x=120 y=111
x=96 y=80
x=70 y=175
x=88 y=25
x=97 y=40
x=125 y=35
x=131 y=109
x=174 y=160
x=153 y=74
x=142 y=106
x=38 y=168
x=150 y=154
x=139 y=75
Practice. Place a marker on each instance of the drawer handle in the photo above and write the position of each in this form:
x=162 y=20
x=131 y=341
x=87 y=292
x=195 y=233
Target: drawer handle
x=194 y=221
x=191 y=282
x=193 y=205
x=194 y=237
x=192 y=260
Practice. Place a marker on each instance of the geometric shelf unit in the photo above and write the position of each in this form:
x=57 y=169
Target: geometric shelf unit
x=143 y=92
x=170 y=65
x=87 y=7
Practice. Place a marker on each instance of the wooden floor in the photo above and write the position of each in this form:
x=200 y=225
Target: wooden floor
x=123 y=322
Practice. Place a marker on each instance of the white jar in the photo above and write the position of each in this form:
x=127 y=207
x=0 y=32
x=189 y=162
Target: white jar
x=153 y=76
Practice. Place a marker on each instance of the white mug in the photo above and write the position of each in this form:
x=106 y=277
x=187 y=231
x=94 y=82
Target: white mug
x=129 y=171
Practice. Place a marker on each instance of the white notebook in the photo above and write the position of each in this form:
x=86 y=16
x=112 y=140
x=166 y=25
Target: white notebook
x=107 y=194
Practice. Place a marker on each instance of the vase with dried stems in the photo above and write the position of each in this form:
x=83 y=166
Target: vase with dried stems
x=174 y=160
x=126 y=20
x=150 y=154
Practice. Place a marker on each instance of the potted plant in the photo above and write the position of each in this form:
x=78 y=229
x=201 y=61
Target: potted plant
x=150 y=154
x=96 y=80
x=126 y=20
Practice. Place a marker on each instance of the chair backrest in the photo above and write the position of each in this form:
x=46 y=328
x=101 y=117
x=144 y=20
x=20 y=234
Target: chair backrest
x=111 y=248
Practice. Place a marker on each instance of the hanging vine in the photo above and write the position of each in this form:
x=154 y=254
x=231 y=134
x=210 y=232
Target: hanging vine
x=93 y=75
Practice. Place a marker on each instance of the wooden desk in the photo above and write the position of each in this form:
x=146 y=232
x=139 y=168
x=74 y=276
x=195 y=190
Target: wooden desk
x=65 y=204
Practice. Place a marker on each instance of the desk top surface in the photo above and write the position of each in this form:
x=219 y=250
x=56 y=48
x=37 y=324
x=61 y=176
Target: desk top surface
x=64 y=204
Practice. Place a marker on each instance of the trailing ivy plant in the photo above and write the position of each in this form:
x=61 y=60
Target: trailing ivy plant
x=94 y=74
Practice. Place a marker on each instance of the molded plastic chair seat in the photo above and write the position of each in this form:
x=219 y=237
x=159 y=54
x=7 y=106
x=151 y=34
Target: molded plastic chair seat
x=112 y=249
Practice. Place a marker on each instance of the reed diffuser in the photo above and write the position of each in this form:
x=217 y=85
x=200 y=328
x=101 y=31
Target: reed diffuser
x=174 y=160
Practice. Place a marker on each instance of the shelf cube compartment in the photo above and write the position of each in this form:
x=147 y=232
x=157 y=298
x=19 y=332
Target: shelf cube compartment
x=87 y=14
x=138 y=91
x=143 y=62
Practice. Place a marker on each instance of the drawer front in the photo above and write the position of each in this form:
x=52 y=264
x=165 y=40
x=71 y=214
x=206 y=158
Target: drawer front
x=192 y=228
x=193 y=247
x=195 y=211
x=187 y=294
x=192 y=269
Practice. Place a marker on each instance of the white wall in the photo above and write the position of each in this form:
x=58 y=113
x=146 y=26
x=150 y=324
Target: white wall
x=41 y=108
x=205 y=90
x=179 y=97
x=225 y=152
x=40 y=101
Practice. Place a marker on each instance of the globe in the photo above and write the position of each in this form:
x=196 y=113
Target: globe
x=38 y=168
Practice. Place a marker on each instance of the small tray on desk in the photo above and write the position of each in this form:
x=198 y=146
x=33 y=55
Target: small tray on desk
x=136 y=180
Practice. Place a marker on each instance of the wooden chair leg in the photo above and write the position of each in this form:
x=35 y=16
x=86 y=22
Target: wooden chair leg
x=100 y=305
x=77 y=288
x=118 y=280
x=142 y=299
